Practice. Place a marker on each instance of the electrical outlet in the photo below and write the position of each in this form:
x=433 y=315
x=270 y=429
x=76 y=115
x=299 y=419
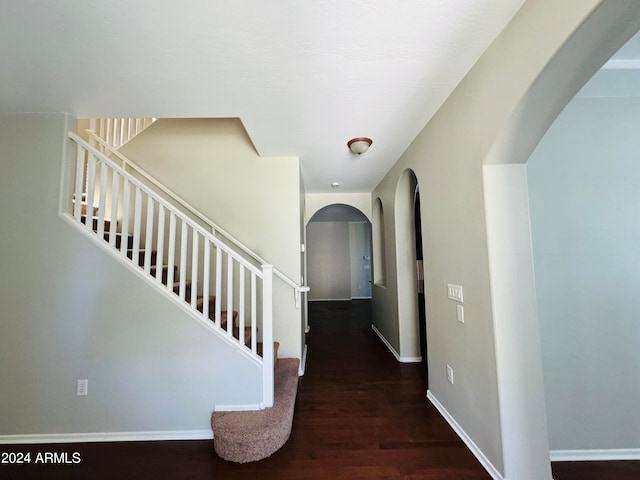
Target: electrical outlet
x=454 y=292
x=82 y=388
x=450 y=374
x=460 y=313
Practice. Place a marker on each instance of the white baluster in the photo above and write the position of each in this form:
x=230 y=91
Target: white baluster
x=241 y=288
x=115 y=192
x=160 y=242
x=102 y=133
x=254 y=315
x=229 y=295
x=122 y=135
x=114 y=131
x=126 y=206
x=194 y=270
x=205 y=278
x=267 y=335
x=172 y=251
x=91 y=177
x=92 y=127
x=183 y=261
x=103 y=198
x=77 y=205
x=137 y=219
x=148 y=242
x=108 y=131
x=218 y=285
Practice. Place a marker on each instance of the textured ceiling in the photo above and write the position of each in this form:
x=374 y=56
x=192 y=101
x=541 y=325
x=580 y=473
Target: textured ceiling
x=303 y=76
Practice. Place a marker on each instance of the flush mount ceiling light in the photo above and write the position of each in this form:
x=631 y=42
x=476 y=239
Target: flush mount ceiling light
x=335 y=185
x=359 y=145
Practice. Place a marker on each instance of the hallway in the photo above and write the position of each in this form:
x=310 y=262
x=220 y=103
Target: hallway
x=359 y=415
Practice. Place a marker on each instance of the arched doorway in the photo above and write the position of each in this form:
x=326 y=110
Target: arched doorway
x=411 y=330
x=513 y=294
x=339 y=254
x=422 y=312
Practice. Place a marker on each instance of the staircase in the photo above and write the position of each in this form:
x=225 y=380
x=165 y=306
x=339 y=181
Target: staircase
x=250 y=436
x=221 y=284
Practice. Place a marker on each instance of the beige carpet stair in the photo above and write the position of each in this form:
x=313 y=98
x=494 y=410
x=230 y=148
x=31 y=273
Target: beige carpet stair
x=250 y=436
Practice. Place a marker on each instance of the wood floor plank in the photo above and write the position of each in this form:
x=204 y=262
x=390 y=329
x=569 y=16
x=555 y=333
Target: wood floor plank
x=359 y=415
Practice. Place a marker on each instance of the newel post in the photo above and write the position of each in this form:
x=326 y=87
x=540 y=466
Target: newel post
x=267 y=335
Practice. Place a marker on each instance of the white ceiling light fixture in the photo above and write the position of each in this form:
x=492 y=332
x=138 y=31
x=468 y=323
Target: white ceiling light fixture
x=359 y=145
x=335 y=184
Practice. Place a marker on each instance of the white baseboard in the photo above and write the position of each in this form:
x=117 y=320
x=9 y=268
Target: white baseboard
x=393 y=350
x=238 y=408
x=328 y=299
x=594 y=455
x=303 y=363
x=106 y=437
x=484 y=461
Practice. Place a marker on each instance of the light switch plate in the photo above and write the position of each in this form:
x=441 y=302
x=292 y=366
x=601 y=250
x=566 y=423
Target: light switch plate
x=82 y=388
x=454 y=292
x=460 y=313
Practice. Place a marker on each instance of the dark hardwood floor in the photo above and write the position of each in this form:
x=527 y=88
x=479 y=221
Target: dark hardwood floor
x=359 y=415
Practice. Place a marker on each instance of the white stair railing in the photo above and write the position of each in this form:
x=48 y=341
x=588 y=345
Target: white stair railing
x=188 y=263
x=106 y=147
x=118 y=131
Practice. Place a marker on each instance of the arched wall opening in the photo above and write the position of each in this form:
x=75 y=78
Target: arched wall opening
x=511 y=258
x=379 y=262
x=338 y=254
x=582 y=178
x=406 y=265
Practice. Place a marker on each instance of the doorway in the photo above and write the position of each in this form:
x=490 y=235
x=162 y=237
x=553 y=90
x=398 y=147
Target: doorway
x=339 y=254
x=422 y=313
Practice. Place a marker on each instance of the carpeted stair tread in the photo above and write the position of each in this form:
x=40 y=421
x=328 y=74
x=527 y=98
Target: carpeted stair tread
x=95 y=221
x=276 y=346
x=165 y=272
x=118 y=239
x=250 y=436
x=142 y=255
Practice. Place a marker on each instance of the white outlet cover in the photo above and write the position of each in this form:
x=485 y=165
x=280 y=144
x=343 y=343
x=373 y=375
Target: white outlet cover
x=450 y=374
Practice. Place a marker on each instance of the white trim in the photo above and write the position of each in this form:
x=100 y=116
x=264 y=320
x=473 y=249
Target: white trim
x=303 y=363
x=393 y=350
x=594 y=455
x=484 y=461
x=106 y=437
x=238 y=408
x=328 y=299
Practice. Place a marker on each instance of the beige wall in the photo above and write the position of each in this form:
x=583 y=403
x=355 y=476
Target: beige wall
x=212 y=164
x=70 y=311
x=506 y=429
x=316 y=201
